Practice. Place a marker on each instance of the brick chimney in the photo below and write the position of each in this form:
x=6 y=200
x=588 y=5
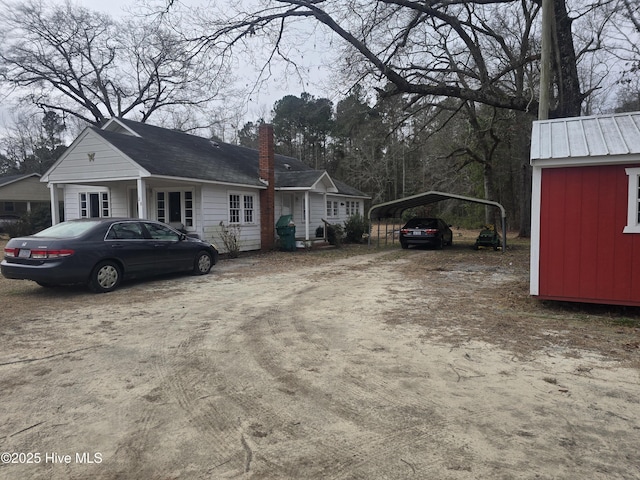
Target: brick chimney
x=267 y=197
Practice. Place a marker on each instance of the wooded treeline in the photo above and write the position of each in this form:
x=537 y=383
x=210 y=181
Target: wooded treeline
x=379 y=147
x=436 y=95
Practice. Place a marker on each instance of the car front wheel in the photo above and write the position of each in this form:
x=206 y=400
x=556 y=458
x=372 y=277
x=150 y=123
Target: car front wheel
x=105 y=277
x=203 y=263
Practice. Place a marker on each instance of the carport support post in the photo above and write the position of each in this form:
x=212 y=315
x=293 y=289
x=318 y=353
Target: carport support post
x=504 y=234
x=386 y=232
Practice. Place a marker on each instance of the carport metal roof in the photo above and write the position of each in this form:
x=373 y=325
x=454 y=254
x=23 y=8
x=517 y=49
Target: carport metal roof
x=395 y=208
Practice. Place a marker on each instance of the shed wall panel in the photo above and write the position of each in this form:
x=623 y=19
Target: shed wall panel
x=584 y=256
x=590 y=230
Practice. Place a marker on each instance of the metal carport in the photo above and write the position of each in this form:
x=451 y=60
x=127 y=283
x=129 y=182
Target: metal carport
x=395 y=208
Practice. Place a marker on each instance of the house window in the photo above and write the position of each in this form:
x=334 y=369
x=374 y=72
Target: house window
x=9 y=207
x=353 y=208
x=332 y=208
x=248 y=209
x=188 y=209
x=241 y=208
x=633 y=205
x=94 y=205
x=175 y=207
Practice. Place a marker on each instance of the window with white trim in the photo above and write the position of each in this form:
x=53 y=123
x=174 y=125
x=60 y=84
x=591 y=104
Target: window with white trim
x=353 y=208
x=633 y=205
x=175 y=207
x=248 y=209
x=241 y=208
x=332 y=208
x=94 y=205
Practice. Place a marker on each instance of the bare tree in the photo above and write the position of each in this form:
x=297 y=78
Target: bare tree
x=473 y=50
x=67 y=59
x=479 y=52
x=32 y=143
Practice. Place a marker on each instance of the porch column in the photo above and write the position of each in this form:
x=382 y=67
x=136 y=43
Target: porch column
x=142 y=198
x=55 y=208
x=307 y=216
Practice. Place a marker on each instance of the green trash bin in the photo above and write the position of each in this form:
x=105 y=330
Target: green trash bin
x=287 y=232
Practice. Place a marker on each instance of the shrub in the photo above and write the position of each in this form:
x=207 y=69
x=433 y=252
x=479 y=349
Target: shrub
x=355 y=228
x=320 y=232
x=335 y=235
x=230 y=235
x=31 y=222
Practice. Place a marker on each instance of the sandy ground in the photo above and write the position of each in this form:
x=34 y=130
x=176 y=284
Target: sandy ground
x=343 y=364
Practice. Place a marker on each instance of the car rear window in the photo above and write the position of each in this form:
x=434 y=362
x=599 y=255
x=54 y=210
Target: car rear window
x=67 y=229
x=422 y=223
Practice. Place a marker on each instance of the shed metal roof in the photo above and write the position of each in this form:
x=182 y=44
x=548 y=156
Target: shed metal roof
x=586 y=137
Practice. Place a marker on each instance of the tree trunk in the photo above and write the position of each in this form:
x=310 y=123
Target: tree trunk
x=490 y=213
x=567 y=82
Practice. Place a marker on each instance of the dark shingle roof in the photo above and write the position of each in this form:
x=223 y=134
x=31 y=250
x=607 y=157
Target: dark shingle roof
x=7 y=179
x=175 y=154
x=301 y=179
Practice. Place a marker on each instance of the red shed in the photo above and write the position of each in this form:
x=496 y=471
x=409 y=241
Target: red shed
x=585 y=227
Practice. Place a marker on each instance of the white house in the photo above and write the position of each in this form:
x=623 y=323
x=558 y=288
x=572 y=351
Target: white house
x=132 y=169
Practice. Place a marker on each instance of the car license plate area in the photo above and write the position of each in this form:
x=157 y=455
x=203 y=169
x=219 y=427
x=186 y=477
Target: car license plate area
x=417 y=232
x=24 y=253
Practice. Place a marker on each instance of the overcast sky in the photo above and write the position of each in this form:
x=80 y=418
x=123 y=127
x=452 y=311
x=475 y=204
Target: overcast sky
x=260 y=103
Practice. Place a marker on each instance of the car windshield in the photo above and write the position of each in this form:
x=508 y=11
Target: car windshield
x=67 y=229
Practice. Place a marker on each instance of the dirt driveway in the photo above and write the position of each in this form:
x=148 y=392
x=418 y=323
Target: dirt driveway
x=347 y=364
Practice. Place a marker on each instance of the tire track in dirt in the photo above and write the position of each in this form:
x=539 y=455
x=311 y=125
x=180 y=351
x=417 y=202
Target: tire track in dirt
x=187 y=373
x=364 y=438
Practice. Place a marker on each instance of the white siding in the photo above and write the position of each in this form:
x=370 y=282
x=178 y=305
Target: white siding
x=216 y=209
x=107 y=163
x=342 y=208
x=118 y=199
x=318 y=209
x=72 y=198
